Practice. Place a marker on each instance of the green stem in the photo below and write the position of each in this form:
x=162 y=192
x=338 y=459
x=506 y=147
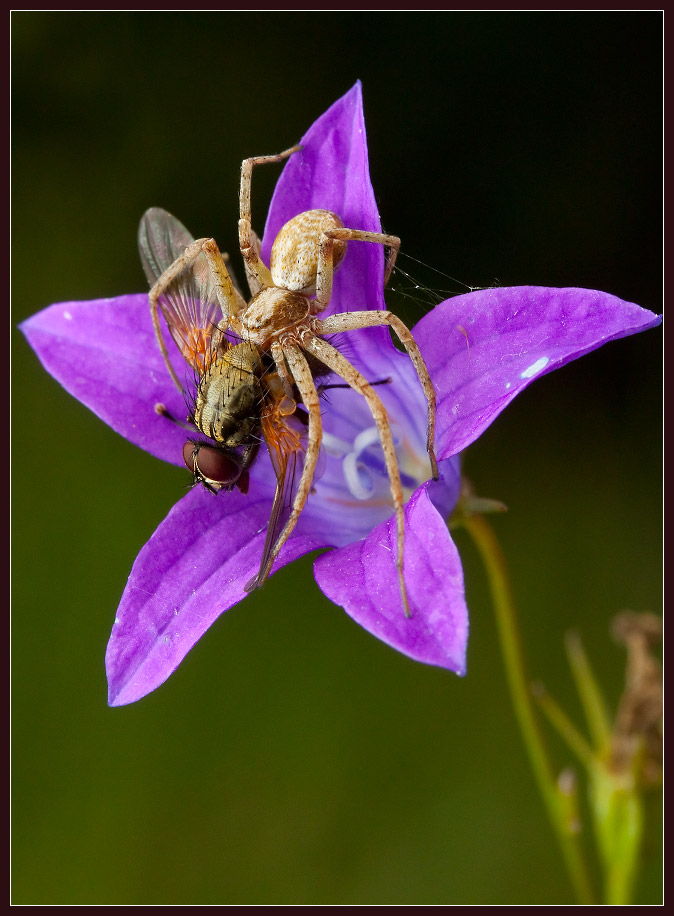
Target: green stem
x=513 y=657
x=586 y=684
x=564 y=727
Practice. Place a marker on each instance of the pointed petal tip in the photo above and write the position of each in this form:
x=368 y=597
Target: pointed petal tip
x=362 y=579
x=484 y=347
x=127 y=695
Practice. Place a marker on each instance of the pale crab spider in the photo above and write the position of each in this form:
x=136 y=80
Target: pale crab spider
x=282 y=318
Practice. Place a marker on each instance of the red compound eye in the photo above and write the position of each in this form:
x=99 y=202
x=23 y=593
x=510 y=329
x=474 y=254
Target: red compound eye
x=189 y=452
x=211 y=462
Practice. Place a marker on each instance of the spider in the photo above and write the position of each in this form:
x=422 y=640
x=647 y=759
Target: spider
x=280 y=325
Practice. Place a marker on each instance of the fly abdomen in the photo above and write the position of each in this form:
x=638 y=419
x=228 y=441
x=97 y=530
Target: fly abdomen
x=228 y=399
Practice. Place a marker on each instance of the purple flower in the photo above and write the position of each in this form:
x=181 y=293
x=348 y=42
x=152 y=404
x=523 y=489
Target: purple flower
x=481 y=349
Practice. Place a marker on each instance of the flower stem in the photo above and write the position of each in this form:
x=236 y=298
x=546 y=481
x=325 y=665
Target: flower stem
x=588 y=690
x=557 y=807
x=564 y=727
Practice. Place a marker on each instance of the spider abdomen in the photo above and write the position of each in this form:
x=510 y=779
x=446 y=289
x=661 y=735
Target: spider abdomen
x=294 y=255
x=228 y=396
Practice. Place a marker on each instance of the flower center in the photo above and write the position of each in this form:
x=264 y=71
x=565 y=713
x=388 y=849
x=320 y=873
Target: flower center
x=364 y=467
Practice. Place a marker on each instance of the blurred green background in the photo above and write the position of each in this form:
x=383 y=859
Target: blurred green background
x=293 y=759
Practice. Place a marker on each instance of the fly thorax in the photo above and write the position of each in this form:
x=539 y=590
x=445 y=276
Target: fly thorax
x=271 y=311
x=294 y=255
x=228 y=398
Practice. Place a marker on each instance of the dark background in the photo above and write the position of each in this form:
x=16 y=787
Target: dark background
x=293 y=759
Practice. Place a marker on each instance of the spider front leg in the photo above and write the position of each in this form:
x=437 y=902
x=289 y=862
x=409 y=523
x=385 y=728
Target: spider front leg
x=231 y=302
x=334 y=360
x=301 y=374
x=353 y=321
x=281 y=368
x=325 y=269
x=253 y=279
x=256 y=271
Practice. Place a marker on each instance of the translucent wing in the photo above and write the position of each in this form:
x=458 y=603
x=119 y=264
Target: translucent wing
x=188 y=303
x=284 y=435
x=284 y=429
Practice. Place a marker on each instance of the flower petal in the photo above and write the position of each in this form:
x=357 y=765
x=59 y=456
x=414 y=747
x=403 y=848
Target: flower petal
x=105 y=354
x=485 y=347
x=193 y=568
x=362 y=578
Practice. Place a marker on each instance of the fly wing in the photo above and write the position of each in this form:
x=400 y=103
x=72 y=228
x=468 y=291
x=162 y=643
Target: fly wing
x=284 y=436
x=189 y=303
x=284 y=429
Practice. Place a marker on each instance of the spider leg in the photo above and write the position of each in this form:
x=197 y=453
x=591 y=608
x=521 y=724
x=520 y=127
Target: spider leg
x=339 y=364
x=277 y=352
x=189 y=255
x=305 y=384
x=352 y=321
x=324 y=271
x=229 y=299
x=255 y=267
x=254 y=284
